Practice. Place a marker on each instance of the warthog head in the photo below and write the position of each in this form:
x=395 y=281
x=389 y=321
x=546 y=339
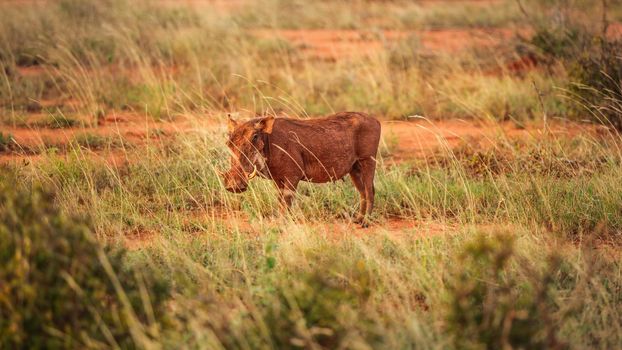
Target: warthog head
x=246 y=143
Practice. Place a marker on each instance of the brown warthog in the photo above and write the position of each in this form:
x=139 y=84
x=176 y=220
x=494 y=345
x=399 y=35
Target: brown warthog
x=316 y=150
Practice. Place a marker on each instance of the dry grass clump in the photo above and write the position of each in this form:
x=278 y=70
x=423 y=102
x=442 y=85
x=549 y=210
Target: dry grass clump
x=552 y=157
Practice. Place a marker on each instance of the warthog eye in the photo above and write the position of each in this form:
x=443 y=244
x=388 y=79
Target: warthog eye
x=255 y=137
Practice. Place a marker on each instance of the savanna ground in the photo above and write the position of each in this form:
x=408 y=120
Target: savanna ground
x=498 y=216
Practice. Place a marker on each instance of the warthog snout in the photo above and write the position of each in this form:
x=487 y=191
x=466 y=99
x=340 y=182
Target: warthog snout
x=236 y=180
x=236 y=189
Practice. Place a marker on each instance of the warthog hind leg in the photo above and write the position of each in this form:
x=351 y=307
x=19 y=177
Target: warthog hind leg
x=368 y=172
x=362 y=175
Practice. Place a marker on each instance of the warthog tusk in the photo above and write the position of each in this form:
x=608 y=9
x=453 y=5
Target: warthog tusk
x=254 y=173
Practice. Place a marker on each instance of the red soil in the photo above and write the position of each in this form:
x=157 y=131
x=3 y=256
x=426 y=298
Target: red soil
x=333 y=44
x=393 y=228
x=31 y=71
x=221 y=5
x=132 y=127
x=337 y=44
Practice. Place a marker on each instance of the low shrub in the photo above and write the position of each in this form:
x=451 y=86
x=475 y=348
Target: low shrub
x=97 y=142
x=61 y=289
x=56 y=120
x=492 y=307
x=6 y=142
x=317 y=308
x=557 y=159
x=594 y=63
x=597 y=76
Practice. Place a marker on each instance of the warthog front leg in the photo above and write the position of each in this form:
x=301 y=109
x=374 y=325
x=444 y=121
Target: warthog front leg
x=287 y=191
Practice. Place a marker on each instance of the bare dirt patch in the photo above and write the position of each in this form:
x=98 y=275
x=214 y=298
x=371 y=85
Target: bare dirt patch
x=332 y=44
x=393 y=228
x=31 y=71
x=132 y=128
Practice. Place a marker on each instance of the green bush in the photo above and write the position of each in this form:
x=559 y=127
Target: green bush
x=60 y=289
x=492 y=307
x=97 y=142
x=594 y=62
x=559 y=43
x=597 y=74
x=56 y=120
x=6 y=142
x=316 y=309
x=325 y=307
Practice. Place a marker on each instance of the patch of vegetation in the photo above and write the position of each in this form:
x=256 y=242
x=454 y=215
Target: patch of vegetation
x=7 y=142
x=97 y=142
x=55 y=120
x=280 y=280
x=331 y=14
x=461 y=15
x=559 y=158
x=61 y=288
x=21 y=93
x=492 y=307
x=594 y=61
x=597 y=77
x=321 y=300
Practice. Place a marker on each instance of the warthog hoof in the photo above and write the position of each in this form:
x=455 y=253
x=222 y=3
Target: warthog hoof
x=362 y=220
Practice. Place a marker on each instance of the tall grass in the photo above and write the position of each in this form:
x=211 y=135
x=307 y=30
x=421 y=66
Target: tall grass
x=161 y=62
x=294 y=282
x=566 y=186
x=375 y=14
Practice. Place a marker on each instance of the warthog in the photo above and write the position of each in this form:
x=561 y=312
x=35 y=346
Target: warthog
x=316 y=150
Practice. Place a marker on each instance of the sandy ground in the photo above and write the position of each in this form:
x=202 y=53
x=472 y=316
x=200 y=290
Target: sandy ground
x=332 y=44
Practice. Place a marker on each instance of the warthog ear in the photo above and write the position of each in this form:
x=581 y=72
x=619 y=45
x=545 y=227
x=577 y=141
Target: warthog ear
x=231 y=123
x=265 y=125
